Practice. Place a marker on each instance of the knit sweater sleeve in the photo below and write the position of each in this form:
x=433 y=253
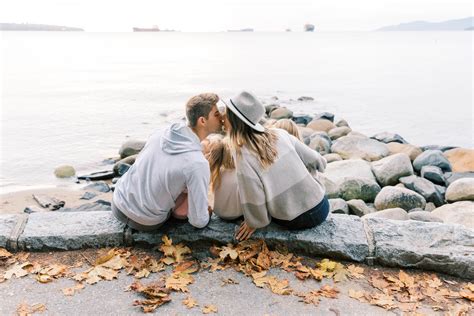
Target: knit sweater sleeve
x=311 y=158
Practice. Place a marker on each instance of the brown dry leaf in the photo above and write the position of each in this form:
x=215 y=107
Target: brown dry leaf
x=70 y=291
x=22 y=256
x=116 y=263
x=382 y=300
x=260 y=278
x=379 y=283
x=110 y=254
x=179 y=282
x=44 y=278
x=355 y=272
x=408 y=307
x=358 y=295
x=167 y=247
x=264 y=261
x=18 y=270
x=470 y=287
x=180 y=251
x=190 y=302
x=213 y=265
x=149 y=305
x=207 y=309
x=434 y=283
x=25 y=309
x=279 y=287
x=168 y=260
x=310 y=297
x=407 y=280
x=228 y=251
x=467 y=295
x=328 y=291
x=4 y=254
x=142 y=274
x=156 y=295
x=228 y=281
x=187 y=267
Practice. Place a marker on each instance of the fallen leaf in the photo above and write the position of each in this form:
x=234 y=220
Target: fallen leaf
x=70 y=291
x=17 y=270
x=25 y=310
x=179 y=282
x=4 y=254
x=228 y=281
x=228 y=251
x=406 y=279
x=190 y=302
x=358 y=295
x=355 y=272
x=142 y=274
x=328 y=291
x=209 y=309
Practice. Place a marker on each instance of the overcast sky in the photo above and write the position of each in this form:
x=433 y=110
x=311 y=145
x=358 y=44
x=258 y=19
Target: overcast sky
x=220 y=15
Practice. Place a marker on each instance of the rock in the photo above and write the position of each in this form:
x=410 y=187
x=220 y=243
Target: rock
x=34 y=209
x=341 y=123
x=332 y=157
x=100 y=186
x=430 y=246
x=69 y=231
x=433 y=174
x=339 y=236
x=417 y=209
x=321 y=125
x=88 y=196
x=358 y=188
x=461 y=159
x=100 y=175
x=302 y=119
x=270 y=107
x=357 y=134
x=338 y=206
x=131 y=147
x=332 y=189
x=325 y=116
x=305 y=98
x=400 y=185
x=320 y=144
x=8 y=222
x=423 y=216
x=388 y=170
x=461 y=213
x=461 y=190
x=411 y=150
x=397 y=213
x=88 y=207
x=305 y=133
x=424 y=187
x=431 y=158
x=389 y=138
x=281 y=113
x=453 y=176
x=350 y=147
x=338 y=171
x=323 y=135
x=392 y=197
x=437 y=147
x=430 y=206
x=64 y=171
x=338 y=132
x=121 y=168
x=359 y=208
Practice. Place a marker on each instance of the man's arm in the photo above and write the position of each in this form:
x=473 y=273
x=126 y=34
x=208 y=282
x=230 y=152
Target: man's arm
x=197 y=182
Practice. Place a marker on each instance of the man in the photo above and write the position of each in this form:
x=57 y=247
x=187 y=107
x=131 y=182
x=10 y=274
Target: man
x=170 y=176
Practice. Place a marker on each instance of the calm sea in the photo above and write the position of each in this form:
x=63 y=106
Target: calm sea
x=73 y=98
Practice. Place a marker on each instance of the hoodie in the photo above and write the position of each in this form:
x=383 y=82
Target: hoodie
x=171 y=162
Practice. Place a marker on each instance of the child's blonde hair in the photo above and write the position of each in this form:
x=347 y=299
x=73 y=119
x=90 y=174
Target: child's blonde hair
x=289 y=126
x=220 y=158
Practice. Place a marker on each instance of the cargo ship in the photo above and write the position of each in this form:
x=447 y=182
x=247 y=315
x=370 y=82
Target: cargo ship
x=140 y=29
x=308 y=27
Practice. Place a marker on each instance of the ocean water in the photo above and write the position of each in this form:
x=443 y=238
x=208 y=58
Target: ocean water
x=74 y=98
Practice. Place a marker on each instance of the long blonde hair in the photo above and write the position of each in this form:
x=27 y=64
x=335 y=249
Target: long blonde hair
x=262 y=144
x=220 y=158
x=289 y=126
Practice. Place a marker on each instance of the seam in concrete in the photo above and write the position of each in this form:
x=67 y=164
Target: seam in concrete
x=12 y=242
x=370 y=242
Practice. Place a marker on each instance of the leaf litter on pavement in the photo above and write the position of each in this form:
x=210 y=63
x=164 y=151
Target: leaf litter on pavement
x=388 y=290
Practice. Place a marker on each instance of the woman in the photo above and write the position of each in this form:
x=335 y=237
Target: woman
x=272 y=171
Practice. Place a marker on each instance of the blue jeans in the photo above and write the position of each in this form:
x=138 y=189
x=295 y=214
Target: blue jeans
x=308 y=219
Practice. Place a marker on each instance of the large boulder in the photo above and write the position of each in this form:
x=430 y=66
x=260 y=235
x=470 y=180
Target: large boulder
x=281 y=113
x=302 y=119
x=305 y=133
x=342 y=122
x=423 y=216
x=461 y=190
x=461 y=159
x=123 y=165
x=325 y=116
x=392 y=197
x=64 y=171
x=424 y=187
x=358 y=188
x=320 y=144
x=338 y=206
x=433 y=174
x=350 y=147
x=457 y=213
x=337 y=171
x=386 y=138
x=269 y=108
x=389 y=169
x=359 y=208
x=432 y=158
x=453 y=176
x=332 y=157
x=131 y=147
x=396 y=213
x=332 y=188
x=322 y=125
x=411 y=150
x=338 y=132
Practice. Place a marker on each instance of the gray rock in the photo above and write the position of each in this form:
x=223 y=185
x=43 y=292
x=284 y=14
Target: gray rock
x=131 y=147
x=305 y=133
x=322 y=125
x=332 y=189
x=338 y=171
x=430 y=246
x=437 y=147
x=424 y=187
x=392 y=197
x=386 y=138
x=325 y=116
x=430 y=206
x=320 y=144
x=270 y=107
x=416 y=209
x=397 y=213
x=358 y=188
x=121 y=168
x=281 y=113
x=64 y=171
x=359 y=208
x=302 y=119
x=400 y=185
x=433 y=174
x=342 y=123
x=68 y=231
x=461 y=190
x=411 y=150
x=332 y=157
x=338 y=206
x=88 y=207
x=340 y=236
x=305 y=98
x=338 y=132
x=88 y=196
x=322 y=135
x=114 y=180
x=357 y=134
x=432 y=158
x=100 y=186
x=7 y=224
x=461 y=213
x=389 y=169
x=423 y=216
x=453 y=176
x=350 y=147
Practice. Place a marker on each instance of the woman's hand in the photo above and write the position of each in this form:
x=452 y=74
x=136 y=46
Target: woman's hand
x=244 y=232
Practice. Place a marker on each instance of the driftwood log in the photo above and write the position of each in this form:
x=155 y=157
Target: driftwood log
x=49 y=202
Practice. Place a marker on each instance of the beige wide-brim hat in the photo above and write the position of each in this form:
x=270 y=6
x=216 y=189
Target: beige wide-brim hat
x=248 y=109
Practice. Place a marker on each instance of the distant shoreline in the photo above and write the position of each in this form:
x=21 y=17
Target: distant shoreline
x=37 y=27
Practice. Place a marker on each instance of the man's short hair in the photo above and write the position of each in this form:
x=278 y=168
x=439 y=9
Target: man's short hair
x=200 y=105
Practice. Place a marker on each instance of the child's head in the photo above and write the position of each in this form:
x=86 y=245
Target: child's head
x=220 y=158
x=289 y=126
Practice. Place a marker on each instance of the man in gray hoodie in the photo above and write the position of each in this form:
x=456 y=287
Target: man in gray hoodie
x=170 y=172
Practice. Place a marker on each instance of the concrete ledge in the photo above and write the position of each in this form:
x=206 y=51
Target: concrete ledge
x=432 y=246
x=8 y=223
x=74 y=230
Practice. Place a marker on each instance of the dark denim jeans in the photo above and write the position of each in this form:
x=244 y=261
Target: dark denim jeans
x=308 y=219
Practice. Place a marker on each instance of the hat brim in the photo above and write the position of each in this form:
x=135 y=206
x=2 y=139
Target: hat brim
x=258 y=127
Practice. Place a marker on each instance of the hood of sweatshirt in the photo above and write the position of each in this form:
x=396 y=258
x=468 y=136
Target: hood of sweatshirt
x=179 y=138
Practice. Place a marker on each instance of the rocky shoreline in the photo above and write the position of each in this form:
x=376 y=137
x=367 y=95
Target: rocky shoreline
x=392 y=203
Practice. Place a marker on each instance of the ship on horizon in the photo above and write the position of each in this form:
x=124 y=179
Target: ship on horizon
x=155 y=28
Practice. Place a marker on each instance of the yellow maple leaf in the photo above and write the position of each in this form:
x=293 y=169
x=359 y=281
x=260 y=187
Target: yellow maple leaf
x=406 y=279
x=190 y=302
x=110 y=254
x=179 y=282
x=358 y=295
x=18 y=270
x=228 y=251
x=4 y=254
x=207 y=309
x=144 y=273
x=355 y=272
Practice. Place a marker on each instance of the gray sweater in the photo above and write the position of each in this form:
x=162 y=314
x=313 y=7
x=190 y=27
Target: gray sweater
x=284 y=190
